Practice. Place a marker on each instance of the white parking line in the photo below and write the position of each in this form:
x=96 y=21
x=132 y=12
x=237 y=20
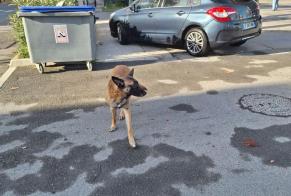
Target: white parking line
x=168 y=81
x=258 y=61
x=6 y=75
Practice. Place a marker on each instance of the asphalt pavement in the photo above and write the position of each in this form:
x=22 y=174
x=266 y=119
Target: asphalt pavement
x=7 y=40
x=218 y=125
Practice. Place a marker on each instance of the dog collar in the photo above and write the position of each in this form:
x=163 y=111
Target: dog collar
x=123 y=101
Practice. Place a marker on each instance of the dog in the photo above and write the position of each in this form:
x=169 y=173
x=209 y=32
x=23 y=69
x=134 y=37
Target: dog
x=120 y=88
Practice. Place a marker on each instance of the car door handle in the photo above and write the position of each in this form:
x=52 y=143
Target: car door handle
x=150 y=15
x=180 y=13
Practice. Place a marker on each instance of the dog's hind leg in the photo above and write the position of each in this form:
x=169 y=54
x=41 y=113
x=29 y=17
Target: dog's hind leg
x=121 y=115
x=113 y=119
x=130 y=132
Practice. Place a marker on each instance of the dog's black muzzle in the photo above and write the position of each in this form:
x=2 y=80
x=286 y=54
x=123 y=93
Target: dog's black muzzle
x=138 y=93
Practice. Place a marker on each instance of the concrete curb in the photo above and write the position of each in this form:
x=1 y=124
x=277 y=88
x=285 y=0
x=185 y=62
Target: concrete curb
x=15 y=62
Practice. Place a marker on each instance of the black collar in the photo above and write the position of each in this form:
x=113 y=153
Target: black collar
x=122 y=102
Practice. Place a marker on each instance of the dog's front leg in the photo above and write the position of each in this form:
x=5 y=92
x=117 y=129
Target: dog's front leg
x=113 y=119
x=130 y=132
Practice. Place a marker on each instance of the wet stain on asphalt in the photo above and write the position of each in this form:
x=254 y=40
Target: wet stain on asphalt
x=184 y=108
x=212 y=92
x=239 y=171
x=63 y=145
x=34 y=142
x=182 y=167
x=57 y=175
x=274 y=144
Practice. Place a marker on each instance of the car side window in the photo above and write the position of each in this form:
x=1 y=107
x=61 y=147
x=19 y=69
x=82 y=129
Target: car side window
x=143 y=4
x=179 y=3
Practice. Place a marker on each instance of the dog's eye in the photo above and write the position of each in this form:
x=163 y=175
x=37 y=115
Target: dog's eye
x=127 y=89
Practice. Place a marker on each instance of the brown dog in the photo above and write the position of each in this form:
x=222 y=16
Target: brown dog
x=121 y=87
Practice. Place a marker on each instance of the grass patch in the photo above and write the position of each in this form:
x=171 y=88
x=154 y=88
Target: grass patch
x=111 y=7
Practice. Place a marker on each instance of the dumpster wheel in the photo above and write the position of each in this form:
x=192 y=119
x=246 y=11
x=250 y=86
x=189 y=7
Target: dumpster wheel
x=40 y=67
x=89 y=65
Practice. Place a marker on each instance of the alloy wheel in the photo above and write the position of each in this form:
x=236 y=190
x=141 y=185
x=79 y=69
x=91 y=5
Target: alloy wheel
x=194 y=42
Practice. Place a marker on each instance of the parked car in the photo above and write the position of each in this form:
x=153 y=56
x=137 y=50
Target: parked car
x=201 y=25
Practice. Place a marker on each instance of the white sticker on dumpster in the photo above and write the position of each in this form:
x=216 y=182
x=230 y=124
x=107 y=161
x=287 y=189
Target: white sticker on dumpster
x=61 y=34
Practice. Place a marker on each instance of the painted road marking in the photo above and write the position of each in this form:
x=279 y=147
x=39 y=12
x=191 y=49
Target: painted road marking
x=6 y=75
x=282 y=139
x=167 y=81
x=262 y=61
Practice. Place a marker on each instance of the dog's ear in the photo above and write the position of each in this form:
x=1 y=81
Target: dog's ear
x=119 y=82
x=131 y=72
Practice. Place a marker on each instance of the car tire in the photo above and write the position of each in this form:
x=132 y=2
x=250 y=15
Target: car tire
x=196 y=42
x=239 y=43
x=122 y=34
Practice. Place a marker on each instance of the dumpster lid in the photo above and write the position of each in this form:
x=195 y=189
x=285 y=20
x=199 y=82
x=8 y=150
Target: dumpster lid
x=45 y=9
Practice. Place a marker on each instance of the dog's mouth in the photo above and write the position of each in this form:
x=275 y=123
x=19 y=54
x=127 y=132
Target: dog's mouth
x=143 y=93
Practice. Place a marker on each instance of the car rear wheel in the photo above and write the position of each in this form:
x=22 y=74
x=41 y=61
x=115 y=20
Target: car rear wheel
x=239 y=43
x=121 y=34
x=196 y=42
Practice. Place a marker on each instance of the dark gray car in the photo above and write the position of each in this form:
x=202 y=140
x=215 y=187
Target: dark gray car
x=200 y=25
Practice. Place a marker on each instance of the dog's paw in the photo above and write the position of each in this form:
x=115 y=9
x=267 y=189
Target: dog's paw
x=132 y=143
x=112 y=128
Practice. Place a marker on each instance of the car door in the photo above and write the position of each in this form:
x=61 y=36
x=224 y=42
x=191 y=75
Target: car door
x=170 y=18
x=142 y=23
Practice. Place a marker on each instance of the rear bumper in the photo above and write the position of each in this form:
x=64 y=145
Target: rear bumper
x=220 y=34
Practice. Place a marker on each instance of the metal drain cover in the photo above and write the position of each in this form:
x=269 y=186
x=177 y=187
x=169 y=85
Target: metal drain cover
x=267 y=104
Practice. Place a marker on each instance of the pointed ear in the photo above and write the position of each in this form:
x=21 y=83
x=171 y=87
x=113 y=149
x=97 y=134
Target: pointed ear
x=131 y=72
x=119 y=82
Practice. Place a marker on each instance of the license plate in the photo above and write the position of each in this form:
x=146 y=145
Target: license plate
x=249 y=25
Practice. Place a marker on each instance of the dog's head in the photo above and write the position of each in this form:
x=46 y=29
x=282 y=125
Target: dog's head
x=129 y=85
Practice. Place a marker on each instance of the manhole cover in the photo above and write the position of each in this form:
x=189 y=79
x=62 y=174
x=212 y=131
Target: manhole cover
x=267 y=104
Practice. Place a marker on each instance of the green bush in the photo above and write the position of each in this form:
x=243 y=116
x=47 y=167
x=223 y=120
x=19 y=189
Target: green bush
x=113 y=5
x=17 y=26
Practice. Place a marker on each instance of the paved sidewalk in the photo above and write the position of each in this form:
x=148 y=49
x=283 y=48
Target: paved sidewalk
x=7 y=48
x=7 y=40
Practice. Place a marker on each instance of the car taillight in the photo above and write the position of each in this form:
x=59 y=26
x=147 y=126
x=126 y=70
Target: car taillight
x=221 y=14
